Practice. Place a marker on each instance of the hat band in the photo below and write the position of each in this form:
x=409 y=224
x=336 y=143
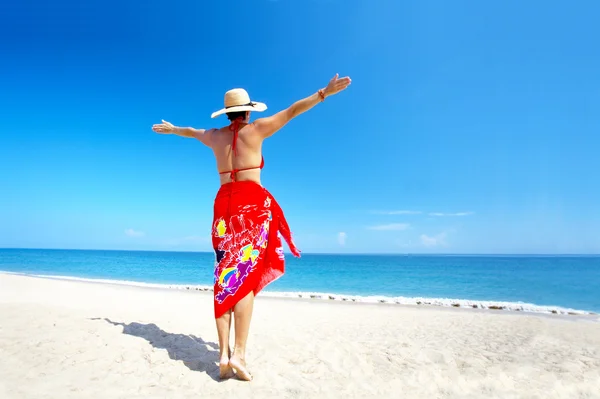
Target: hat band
x=251 y=104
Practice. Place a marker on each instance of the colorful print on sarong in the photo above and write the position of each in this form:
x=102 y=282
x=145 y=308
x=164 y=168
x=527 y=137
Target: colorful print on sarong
x=248 y=249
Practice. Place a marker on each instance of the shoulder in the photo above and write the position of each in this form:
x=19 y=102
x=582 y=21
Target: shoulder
x=205 y=136
x=267 y=126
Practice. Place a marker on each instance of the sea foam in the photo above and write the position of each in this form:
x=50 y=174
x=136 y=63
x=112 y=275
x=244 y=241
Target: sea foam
x=400 y=300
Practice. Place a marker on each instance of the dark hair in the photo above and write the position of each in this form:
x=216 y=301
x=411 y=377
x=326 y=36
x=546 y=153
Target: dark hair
x=234 y=115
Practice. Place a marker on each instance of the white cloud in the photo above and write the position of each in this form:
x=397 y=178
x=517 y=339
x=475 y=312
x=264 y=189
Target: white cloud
x=342 y=238
x=438 y=240
x=404 y=244
x=134 y=233
x=391 y=226
x=450 y=214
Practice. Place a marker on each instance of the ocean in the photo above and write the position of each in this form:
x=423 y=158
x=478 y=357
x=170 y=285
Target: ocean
x=557 y=284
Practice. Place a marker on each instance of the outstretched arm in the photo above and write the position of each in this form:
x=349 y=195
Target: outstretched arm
x=168 y=128
x=269 y=125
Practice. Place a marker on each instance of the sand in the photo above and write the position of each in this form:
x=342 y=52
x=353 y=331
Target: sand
x=70 y=339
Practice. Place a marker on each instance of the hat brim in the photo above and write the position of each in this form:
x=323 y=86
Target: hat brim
x=256 y=107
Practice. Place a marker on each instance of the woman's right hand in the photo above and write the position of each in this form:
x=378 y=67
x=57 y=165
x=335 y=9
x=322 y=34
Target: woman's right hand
x=164 y=127
x=336 y=85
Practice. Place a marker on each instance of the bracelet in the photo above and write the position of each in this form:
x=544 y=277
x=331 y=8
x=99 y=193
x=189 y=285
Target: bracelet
x=322 y=95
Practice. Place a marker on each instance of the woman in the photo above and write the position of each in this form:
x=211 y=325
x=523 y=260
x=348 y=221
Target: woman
x=247 y=219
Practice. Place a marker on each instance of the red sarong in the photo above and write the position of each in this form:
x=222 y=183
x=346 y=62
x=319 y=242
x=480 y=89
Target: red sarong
x=246 y=230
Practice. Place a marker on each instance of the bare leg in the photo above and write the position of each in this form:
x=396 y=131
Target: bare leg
x=243 y=314
x=223 y=328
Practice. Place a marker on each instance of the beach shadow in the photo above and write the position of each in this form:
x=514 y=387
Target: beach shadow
x=194 y=352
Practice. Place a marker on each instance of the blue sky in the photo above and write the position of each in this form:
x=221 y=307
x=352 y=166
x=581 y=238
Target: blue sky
x=469 y=127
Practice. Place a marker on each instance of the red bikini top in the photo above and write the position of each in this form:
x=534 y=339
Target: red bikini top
x=235 y=127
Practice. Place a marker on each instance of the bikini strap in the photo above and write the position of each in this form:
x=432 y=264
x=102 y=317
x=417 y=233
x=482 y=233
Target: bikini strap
x=235 y=128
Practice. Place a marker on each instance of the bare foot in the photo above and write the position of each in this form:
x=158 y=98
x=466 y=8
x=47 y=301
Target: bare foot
x=239 y=365
x=225 y=369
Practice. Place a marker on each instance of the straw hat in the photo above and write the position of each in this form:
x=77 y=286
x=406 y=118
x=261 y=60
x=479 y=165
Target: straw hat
x=239 y=100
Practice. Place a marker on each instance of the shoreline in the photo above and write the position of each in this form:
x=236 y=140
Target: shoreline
x=498 y=307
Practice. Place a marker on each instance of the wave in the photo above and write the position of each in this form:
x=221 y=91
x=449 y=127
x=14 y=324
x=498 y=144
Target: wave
x=399 y=300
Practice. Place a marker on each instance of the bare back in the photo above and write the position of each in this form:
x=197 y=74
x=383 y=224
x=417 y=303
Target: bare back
x=248 y=153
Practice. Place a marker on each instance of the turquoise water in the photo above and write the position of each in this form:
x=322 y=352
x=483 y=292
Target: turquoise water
x=561 y=281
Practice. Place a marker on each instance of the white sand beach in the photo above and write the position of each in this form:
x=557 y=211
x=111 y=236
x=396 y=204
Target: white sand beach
x=70 y=339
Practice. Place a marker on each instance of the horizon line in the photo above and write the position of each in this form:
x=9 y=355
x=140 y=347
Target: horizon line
x=318 y=253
